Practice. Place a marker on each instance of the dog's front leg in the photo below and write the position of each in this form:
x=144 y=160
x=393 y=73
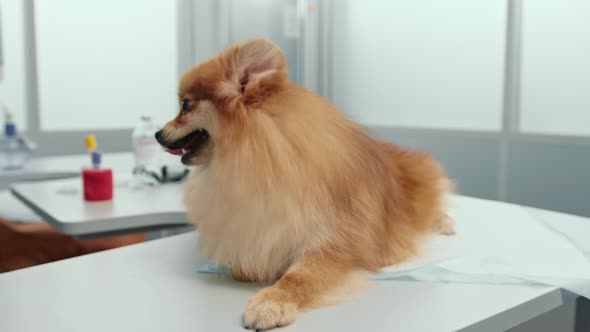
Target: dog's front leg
x=302 y=286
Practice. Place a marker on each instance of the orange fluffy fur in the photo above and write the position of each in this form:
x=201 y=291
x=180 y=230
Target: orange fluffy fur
x=288 y=190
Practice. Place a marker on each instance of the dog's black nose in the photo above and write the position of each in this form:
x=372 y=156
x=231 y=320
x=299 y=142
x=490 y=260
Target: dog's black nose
x=158 y=134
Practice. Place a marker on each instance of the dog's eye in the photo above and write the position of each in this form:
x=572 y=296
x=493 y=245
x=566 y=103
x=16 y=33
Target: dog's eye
x=184 y=105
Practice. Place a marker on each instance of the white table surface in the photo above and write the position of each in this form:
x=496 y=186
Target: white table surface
x=153 y=287
x=45 y=168
x=64 y=166
x=61 y=203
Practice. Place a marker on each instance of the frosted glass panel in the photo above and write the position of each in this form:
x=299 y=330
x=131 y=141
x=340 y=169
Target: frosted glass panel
x=221 y=22
x=102 y=64
x=418 y=63
x=555 y=96
x=12 y=84
x=276 y=20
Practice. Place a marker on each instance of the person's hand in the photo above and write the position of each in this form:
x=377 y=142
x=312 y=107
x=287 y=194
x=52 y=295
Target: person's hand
x=90 y=246
x=27 y=244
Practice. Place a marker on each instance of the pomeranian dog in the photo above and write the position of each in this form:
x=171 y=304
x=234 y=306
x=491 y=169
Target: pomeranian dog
x=287 y=190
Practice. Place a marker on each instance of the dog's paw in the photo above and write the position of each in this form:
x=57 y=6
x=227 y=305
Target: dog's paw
x=446 y=226
x=266 y=310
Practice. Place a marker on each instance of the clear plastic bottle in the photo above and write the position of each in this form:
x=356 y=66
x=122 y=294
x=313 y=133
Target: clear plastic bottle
x=146 y=149
x=14 y=152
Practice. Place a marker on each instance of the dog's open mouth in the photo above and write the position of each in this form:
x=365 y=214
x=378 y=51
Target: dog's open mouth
x=189 y=145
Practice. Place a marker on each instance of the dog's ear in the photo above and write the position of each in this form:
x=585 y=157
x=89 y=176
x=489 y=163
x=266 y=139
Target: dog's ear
x=255 y=68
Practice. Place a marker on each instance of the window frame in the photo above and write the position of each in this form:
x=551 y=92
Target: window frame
x=66 y=142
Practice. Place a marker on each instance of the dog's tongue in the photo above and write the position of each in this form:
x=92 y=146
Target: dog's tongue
x=176 y=152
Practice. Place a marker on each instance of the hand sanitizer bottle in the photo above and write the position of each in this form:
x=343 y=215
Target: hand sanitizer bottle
x=14 y=152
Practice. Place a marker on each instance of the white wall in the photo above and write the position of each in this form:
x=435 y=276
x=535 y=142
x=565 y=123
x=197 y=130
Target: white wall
x=12 y=86
x=419 y=63
x=101 y=64
x=555 y=95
